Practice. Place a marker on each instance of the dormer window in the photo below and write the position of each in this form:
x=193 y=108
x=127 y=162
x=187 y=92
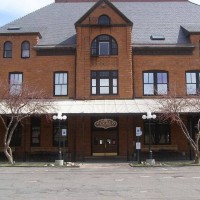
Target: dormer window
x=104 y=45
x=104 y=20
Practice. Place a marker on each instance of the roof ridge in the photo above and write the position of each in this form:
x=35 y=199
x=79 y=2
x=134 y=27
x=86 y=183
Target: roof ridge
x=78 y=1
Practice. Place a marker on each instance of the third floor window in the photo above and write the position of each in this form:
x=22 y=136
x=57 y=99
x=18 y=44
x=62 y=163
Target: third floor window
x=7 y=52
x=104 y=45
x=155 y=82
x=25 y=50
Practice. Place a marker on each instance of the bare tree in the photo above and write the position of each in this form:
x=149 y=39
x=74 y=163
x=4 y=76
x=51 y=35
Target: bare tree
x=173 y=108
x=18 y=102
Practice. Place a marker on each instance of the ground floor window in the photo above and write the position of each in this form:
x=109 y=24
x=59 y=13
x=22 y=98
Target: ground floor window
x=160 y=133
x=17 y=137
x=60 y=133
x=193 y=124
x=35 y=131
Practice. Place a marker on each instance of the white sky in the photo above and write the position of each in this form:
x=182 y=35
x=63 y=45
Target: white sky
x=14 y=9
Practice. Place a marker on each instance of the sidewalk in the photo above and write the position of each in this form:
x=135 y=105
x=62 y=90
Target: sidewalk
x=89 y=165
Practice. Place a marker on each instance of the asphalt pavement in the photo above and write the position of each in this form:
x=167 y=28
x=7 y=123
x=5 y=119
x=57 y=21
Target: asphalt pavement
x=100 y=181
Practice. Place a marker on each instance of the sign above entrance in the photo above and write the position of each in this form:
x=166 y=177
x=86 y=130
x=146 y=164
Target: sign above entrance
x=105 y=123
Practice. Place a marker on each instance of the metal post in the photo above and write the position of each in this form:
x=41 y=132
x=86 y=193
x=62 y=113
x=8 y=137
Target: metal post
x=149 y=116
x=150 y=152
x=59 y=117
x=59 y=146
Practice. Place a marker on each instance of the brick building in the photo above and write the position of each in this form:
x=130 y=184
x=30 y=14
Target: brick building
x=103 y=62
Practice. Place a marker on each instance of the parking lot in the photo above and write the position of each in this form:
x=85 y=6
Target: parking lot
x=100 y=182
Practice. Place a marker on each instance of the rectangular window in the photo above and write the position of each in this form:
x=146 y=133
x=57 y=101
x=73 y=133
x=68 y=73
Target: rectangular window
x=192 y=82
x=104 y=82
x=17 y=135
x=155 y=83
x=60 y=84
x=104 y=48
x=35 y=131
x=161 y=83
x=16 y=80
x=148 y=83
x=58 y=137
x=160 y=133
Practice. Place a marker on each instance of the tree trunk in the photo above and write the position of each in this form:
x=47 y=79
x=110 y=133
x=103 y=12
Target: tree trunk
x=9 y=155
x=197 y=157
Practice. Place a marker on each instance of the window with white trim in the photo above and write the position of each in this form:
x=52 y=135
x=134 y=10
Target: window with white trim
x=192 y=82
x=60 y=84
x=104 y=82
x=16 y=80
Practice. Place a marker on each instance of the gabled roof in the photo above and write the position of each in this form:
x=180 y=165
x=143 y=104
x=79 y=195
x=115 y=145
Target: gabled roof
x=55 y=22
x=97 y=5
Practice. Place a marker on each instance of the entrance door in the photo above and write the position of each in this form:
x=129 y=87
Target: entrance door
x=105 y=143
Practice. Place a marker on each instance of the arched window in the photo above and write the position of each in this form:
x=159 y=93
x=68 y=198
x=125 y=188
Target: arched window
x=7 y=52
x=104 y=45
x=25 y=49
x=104 y=20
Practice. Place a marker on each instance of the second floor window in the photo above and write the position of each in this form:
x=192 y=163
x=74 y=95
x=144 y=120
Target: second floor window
x=25 y=50
x=104 y=82
x=104 y=45
x=7 y=52
x=16 y=80
x=60 y=83
x=155 y=83
x=193 y=82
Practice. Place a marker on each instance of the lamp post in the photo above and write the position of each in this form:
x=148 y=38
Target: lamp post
x=59 y=117
x=149 y=116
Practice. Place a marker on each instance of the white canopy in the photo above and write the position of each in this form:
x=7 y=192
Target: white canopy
x=123 y=106
x=106 y=106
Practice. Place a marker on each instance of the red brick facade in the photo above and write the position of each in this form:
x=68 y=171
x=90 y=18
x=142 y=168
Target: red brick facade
x=40 y=67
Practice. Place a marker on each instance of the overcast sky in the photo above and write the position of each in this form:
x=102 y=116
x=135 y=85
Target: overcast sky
x=14 y=9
